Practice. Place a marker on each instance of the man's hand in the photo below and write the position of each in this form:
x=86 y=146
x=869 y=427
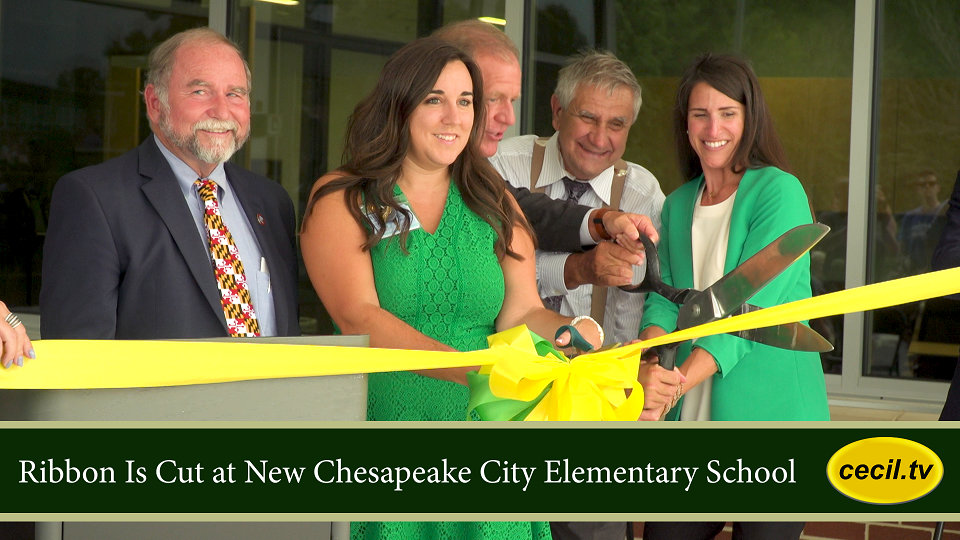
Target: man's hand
x=608 y=265
x=626 y=228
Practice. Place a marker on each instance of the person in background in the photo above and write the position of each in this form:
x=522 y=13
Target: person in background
x=738 y=197
x=169 y=240
x=14 y=342
x=921 y=227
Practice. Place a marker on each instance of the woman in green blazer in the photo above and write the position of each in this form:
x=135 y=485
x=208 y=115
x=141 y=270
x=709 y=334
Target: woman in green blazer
x=730 y=154
x=737 y=199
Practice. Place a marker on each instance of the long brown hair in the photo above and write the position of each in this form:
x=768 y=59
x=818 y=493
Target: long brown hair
x=378 y=138
x=759 y=146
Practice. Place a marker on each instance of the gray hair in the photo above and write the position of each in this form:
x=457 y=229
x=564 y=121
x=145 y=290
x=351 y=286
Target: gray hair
x=597 y=68
x=161 y=59
x=477 y=37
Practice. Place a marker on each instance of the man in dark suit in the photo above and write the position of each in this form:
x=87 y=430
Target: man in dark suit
x=132 y=247
x=947 y=255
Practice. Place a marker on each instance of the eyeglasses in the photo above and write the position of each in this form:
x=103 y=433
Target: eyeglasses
x=927 y=183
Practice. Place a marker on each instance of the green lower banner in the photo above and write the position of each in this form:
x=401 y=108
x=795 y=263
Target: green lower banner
x=479 y=469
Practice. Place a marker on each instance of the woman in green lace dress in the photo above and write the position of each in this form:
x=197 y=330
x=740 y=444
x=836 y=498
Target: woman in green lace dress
x=416 y=242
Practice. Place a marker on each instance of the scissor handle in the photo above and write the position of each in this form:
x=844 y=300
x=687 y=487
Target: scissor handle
x=652 y=282
x=666 y=355
x=577 y=341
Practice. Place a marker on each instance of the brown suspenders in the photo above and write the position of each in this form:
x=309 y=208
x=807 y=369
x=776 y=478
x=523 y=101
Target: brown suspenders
x=536 y=163
x=599 y=296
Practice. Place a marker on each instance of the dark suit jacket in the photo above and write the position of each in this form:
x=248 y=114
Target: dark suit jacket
x=123 y=258
x=557 y=223
x=947 y=255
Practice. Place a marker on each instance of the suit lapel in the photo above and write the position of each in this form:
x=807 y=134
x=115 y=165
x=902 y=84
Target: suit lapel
x=163 y=192
x=253 y=207
x=737 y=238
x=683 y=272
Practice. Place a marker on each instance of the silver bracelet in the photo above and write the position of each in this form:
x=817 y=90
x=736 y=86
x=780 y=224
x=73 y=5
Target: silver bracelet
x=579 y=318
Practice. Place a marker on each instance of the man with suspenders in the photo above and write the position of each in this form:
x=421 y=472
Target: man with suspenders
x=559 y=225
x=596 y=101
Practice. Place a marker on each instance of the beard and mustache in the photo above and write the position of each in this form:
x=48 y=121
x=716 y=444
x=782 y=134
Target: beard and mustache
x=218 y=150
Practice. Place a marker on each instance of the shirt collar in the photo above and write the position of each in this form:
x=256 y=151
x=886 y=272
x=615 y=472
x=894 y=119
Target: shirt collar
x=553 y=171
x=186 y=176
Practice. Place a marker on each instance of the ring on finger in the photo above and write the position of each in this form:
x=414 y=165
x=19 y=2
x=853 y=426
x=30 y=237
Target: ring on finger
x=12 y=320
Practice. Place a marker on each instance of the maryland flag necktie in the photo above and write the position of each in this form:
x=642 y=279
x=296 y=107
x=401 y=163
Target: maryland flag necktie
x=227 y=267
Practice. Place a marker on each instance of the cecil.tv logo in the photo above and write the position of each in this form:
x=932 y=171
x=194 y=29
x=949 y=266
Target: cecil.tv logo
x=885 y=470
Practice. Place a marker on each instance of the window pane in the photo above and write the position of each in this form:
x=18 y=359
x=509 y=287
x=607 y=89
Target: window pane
x=459 y=10
x=70 y=77
x=916 y=163
x=561 y=27
x=391 y=20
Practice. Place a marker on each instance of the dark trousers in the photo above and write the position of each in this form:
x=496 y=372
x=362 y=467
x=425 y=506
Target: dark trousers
x=951 y=408
x=603 y=530
x=706 y=531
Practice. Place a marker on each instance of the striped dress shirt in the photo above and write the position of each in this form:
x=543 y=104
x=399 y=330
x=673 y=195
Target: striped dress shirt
x=641 y=195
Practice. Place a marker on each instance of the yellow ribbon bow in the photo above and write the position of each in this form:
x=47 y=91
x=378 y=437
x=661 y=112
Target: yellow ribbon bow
x=588 y=387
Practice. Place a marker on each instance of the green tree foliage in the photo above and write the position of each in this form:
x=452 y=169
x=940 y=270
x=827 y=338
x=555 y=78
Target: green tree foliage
x=803 y=38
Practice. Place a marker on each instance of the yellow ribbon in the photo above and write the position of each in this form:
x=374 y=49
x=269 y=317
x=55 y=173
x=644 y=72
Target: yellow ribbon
x=73 y=364
x=868 y=297
x=67 y=364
x=584 y=388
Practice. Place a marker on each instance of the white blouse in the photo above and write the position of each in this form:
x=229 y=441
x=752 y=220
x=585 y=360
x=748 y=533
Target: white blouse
x=708 y=238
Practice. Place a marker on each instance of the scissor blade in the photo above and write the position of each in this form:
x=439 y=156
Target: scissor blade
x=732 y=290
x=792 y=336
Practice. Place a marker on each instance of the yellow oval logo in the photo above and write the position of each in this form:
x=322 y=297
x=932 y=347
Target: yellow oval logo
x=885 y=470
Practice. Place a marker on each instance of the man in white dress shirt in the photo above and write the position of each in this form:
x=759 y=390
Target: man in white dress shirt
x=559 y=225
x=596 y=101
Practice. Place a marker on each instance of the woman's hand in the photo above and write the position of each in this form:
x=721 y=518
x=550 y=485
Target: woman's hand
x=521 y=300
x=14 y=343
x=661 y=388
x=589 y=329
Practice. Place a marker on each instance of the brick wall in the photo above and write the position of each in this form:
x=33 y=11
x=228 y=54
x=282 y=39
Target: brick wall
x=886 y=530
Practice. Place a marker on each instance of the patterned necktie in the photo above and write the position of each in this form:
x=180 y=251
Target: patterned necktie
x=227 y=267
x=575 y=190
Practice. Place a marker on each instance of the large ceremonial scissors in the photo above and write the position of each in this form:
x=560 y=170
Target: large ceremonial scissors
x=729 y=294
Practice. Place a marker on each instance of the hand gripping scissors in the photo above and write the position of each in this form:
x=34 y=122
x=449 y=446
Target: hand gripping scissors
x=729 y=294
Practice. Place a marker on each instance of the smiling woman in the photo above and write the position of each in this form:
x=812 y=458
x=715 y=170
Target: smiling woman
x=440 y=126
x=738 y=197
x=714 y=128
x=416 y=243
x=431 y=253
